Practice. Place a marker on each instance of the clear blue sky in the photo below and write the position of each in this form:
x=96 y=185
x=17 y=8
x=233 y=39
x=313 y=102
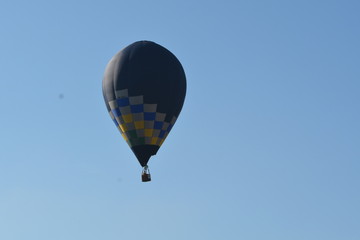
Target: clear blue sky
x=267 y=145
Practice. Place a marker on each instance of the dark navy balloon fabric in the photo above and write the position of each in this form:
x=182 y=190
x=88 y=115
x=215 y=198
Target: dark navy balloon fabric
x=144 y=88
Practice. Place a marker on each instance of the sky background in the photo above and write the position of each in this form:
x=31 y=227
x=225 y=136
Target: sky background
x=267 y=145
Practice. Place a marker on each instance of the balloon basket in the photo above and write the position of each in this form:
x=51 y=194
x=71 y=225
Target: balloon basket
x=145 y=176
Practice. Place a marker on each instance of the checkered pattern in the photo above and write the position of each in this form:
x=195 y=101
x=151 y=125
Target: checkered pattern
x=139 y=123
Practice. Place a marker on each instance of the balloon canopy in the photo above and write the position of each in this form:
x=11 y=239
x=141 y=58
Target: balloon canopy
x=144 y=88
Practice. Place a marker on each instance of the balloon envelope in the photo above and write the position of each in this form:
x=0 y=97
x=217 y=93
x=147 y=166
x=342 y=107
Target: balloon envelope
x=144 y=88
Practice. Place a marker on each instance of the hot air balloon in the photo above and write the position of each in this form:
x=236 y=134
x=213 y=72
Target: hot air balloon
x=144 y=88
